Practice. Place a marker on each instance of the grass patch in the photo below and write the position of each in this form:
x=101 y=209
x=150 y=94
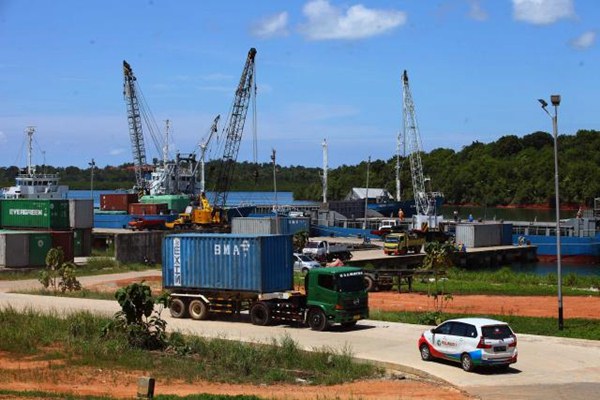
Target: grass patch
x=573 y=327
x=78 y=294
x=94 y=266
x=189 y=358
x=508 y=283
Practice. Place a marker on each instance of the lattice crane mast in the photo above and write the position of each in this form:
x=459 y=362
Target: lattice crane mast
x=136 y=110
x=423 y=199
x=233 y=130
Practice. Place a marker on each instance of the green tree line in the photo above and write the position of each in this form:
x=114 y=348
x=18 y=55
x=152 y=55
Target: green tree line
x=510 y=171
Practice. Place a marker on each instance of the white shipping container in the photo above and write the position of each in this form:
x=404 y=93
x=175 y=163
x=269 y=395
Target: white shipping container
x=479 y=234
x=81 y=213
x=14 y=249
x=253 y=226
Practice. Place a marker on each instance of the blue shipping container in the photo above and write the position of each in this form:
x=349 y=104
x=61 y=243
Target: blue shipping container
x=252 y=263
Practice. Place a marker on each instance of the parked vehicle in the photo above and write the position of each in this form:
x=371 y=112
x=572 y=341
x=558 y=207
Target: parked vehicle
x=402 y=243
x=140 y=224
x=304 y=263
x=208 y=274
x=322 y=250
x=471 y=341
x=387 y=226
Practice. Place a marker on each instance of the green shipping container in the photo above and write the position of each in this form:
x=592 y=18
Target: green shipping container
x=39 y=245
x=35 y=213
x=175 y=202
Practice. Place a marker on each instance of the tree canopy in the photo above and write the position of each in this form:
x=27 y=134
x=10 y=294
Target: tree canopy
x=509 y=171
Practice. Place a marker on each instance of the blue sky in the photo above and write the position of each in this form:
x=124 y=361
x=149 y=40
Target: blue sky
x=325 y=69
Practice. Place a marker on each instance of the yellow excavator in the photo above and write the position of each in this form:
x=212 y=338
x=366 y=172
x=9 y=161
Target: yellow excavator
x=197 y=217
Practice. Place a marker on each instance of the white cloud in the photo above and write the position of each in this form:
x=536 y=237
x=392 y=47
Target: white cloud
x=116 y=152
x=476 y=12
x=542 y=12
x=584 y=41
x=325 y=21
x=275 y=25
x=3 y=138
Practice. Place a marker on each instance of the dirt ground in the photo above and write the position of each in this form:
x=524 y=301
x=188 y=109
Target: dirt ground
x=33 y=374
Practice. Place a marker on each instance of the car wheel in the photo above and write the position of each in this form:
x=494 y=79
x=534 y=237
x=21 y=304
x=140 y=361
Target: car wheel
x=177 y=308
x=317 y=320
x=467 y=362
x=304 y=271
x=425 y=352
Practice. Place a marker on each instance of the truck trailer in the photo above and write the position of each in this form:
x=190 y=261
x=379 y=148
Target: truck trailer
x=212 y=274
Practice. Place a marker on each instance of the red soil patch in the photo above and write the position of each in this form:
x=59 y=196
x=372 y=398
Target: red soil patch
x=29 y=374
x=530 y=306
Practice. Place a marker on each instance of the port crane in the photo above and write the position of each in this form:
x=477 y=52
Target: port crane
x=233 y=130
x=136 y=111
x=210 y=214
x=424 y=201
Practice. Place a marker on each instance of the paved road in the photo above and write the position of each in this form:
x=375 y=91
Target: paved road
x=547 y=368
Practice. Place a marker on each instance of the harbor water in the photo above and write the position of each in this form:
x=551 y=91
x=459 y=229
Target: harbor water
x=488 y=213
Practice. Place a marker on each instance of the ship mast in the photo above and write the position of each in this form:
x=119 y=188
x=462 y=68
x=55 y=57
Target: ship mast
x=30 y=131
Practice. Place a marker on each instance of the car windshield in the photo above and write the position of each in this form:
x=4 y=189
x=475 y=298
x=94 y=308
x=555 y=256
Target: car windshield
x=351 y=283
x=304 y=258
x=496 y=331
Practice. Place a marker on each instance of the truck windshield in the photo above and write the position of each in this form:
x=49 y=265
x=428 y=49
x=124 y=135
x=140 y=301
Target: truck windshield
x=311 y=245
x=351 y=283
x=391 y=239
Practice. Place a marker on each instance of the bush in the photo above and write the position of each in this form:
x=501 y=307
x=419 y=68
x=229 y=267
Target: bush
x=144 y=327
x=58 y=273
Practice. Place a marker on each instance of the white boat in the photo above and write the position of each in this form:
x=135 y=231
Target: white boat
x=31 y=185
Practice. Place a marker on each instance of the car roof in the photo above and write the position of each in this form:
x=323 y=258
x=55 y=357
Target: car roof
x=479 y=321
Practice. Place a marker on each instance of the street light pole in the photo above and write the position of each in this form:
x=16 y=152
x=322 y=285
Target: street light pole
x=555 y=100
x=92 y=165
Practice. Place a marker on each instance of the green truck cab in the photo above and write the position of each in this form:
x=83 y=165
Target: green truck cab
x=335 y=295
x=402 y=243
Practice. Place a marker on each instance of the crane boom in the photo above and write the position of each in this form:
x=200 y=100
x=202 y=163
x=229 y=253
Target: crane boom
x=413 y=139
x=135 y=125
x=233 y=130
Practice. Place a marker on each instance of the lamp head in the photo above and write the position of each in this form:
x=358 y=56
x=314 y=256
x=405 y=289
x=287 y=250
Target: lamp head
x=543 y=103
x=555 y=99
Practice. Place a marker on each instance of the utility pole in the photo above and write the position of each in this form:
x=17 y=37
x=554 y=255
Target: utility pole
x=325 y=167
x=274 y=175
x=367 y=194
x=92 y=166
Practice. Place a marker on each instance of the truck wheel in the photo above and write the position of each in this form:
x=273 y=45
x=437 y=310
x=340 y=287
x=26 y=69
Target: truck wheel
x=370 y=284
x=177 y=308
x=317 y=320
x=260 y=314
x=198 y=310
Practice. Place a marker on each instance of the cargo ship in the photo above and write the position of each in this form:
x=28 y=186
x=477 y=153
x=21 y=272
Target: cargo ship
x=29 y=184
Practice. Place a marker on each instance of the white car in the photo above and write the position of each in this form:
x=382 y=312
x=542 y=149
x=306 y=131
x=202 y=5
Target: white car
x=304 y=263
x=471 y=341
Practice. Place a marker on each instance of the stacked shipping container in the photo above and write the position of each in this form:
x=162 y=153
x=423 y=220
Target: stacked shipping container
x=36 y=225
